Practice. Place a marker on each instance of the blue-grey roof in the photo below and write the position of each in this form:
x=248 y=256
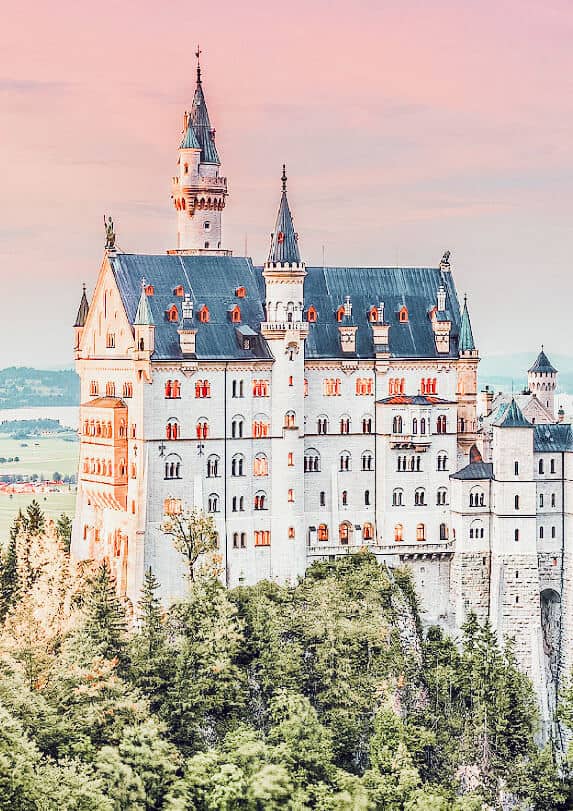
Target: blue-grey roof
x=552 y=438
x=189 y=138
x=542 y=364
x=475 y=470
x=202 y=126
x=466 y=335
x=511 y=416
x=83 y=310
x=284 y=240
x=209 y=280
x=327 y=287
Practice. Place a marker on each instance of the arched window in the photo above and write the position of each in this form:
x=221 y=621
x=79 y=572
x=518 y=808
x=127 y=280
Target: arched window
x=397 y=425
x=441 y=425
x=322 y=425
x=238 y=504
x=311 y=461
x=367 y=532
x=398 y=497
x=236 y=314
x=213 y=466
x=541 y=465
x=322 y=498
x=399 y=532
x=172 y=314
x=553 y=499
x=311 y=315
x=367 y=425
x=128 y=390
x=238 y=465
x=202 y=388
x=414 y=426
x=260 y=500
x=173 y=466
x=202 y=428
x=340 y=314
x=203 y=314
x=443 y=532
x=172 y=429
x=367 y=498
x=290 y=420
x=423 y=426
x=344 y=498
x=260 y=465
x=442 y=460
x=516 y=535
x=403 y=315
x=261 y=426
x=345 y=424
x=291 y=533
x=237 y=427
x=373 y=315
x=213 y=503
x=420 y=497
x=552 y=466
x=441 y=496
x=345 y=532
x=345 y=461
x=110 y=389
x=322 y=532
x=367 y=461
x=421 y=532
x=541 y=533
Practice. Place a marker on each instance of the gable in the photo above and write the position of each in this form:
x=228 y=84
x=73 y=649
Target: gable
x=107 y=331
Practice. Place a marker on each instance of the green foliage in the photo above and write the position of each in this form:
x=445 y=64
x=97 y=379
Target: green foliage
x=64 y=530
x=194 y=535
x=106 y=622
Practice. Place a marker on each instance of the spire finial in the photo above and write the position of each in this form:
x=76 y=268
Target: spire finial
x=465 y=299
x=84 y=287
x=198 y=53
x=284 y=177
x=143 y=283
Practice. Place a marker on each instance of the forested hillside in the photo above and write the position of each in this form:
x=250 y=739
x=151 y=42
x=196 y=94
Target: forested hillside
x=322 y=696
x=24 y=387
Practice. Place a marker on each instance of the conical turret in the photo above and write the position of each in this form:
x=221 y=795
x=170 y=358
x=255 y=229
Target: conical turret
x=466 y=335
x=284 y=239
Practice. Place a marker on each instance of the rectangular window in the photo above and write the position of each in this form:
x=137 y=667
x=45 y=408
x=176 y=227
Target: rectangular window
x=332 y=387
x=260 y=388
x=94 y=389
x=262 y=537
x=110 y=340
x=202 y=389
x=516 y=468
x=364 y=385
x=290 y=459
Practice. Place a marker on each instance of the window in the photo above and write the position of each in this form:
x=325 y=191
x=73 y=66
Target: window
x=172 y=506
x=179 y=291
x=260 y=465
x=94 y=389
x=213 y=503
x=345 y=425
x=239 y=540
x=237 y=388
x=172 y=389
x=367 y=461
x=202 y=388
x=421 y=532
x=399 y=532
x=322 y=532
x=516 y=535
x=403 y=315
x=128 y=390
x=516 y=502
x=442 y=461
x=414 y=426
x=344 y=532
x=552 y=466
x=553 y=499
x=202 y=428
x=261 y=427
x=311 y=315
x=237 y=425
x=373 y=315
x=172 y=429
x=344 y=498
x=311 y=461
x=173 y=467
x=344 y=461
x=238 y=504
x=541 y=499
x=477 y=498
x=241 y=292
x=442 y=497
x=553 y=532
x=110 y=389
x=420 y=497
x=332 y=387
x=340 y=314
x=322 y=498
x=541 y=466
x=516 y=468
x=290 y=420
x=290 y=459
x=260 y=500
x=305 y=387
x=207 y=227
x=398 y=498
x=149 y=290
x=364 y=385
x=541 y=533
x=110 y=340
x=172 y=314
x=397 y=425
x=366 y=425
x=423 y=426
x=291 y=533
x=238 y=465
x=428 y=385
x=203 y=314
x=262 y=537
x=212 y=467
x=443 y=532
x=396 y=385
x=290 y=495
x=441 y=425
x=367 y=498
x=367 y=532
x=260 y=388
x=322 y=425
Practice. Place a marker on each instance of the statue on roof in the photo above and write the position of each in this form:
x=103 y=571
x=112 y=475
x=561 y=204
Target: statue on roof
x=109 y=233
x=446 y=258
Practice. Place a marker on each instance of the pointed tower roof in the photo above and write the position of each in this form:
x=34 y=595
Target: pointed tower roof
x=542 y=364
x=513 y=417
x=83 y=310
x=284 y=240
x=199 y=118
x=143 y=315
x=189 y=138
x=466 y=335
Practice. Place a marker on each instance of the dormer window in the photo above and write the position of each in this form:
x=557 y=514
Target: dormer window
x=179 y=291
x=149 y=290
x=373 y=315
x=340 y=314
x=241 y=292
x=403 y=315
x=311 y=315
x=172 y=313
x=204 y=314
x=235 y=314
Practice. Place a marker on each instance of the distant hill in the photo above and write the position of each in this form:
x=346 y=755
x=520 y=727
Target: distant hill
x=22 y=387
x=501 y=371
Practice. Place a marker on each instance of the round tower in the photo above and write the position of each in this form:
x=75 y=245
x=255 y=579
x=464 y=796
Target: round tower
x=198 y=190
x=542 y=381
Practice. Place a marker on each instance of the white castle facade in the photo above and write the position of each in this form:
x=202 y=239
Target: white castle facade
x=314 y=411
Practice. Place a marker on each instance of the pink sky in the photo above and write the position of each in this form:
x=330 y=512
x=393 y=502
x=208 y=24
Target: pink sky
x=407 y=128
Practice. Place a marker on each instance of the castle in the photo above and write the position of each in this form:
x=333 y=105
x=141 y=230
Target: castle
x=314 y=411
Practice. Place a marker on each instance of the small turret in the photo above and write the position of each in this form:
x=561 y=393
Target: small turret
x=542 y=381
x=144 y=326
x=284 y=239
x=466 y=342
x=81 y=319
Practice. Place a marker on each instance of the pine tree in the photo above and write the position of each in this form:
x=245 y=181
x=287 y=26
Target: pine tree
x=36 y=520
x=64 y=530
x=106 y=622
x=9 y=579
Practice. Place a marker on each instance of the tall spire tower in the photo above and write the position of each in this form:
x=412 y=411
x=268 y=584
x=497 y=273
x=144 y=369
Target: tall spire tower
x=199 y=191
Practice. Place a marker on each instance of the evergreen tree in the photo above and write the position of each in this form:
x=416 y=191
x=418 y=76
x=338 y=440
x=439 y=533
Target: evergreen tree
x=36 y=520
x=105 y=617
x=64 y=530
x=9 y=578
